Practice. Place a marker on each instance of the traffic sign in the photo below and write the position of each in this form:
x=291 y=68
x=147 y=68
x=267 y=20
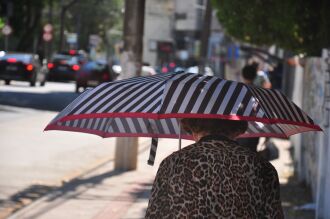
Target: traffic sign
x=7 y=30
x=47 y=37
x=48 y=28
x=71 y=38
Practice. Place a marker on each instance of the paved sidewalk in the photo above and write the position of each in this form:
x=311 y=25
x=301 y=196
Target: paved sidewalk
x=106 y=193
x=103 y=193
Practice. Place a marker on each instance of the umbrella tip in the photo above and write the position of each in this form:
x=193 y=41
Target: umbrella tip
x=150 y=162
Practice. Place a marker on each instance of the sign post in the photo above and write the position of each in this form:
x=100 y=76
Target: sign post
x=6 y=30
x=47 y=36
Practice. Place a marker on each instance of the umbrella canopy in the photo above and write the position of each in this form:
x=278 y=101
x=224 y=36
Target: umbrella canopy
x=151 y=106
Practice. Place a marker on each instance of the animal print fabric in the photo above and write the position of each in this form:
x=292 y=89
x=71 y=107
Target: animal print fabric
x=215 y=178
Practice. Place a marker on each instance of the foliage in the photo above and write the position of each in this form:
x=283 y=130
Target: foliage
x=84 y=17
x=94 y=17
x=300 y=26
x=25 y=20
x=2 y=23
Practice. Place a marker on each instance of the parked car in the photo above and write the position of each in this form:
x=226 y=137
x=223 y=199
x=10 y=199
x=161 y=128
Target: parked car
x=22 y=67
x=63 y=68
x=79 y=54
x=167 y=67
x=92 y=74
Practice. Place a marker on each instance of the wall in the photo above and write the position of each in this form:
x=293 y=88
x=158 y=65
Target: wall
x=189 y=13
x=312 y=151
x=158 y=26
x=297 y=97
x=313 y=97
x=323 y=187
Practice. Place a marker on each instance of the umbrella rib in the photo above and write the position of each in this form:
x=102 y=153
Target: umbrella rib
x=280 y=128
x=261 y=105
x=166 y=85
x=107 y=125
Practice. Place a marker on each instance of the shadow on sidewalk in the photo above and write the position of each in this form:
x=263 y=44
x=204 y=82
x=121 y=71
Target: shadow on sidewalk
x=24 y=197
x=68 y=190
x=51 y=101
x=295 y=194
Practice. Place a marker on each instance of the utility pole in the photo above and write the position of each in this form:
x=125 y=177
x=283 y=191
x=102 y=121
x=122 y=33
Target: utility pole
x=205 y=36
x=9 y=11
x=64 y=8
x=49 y=44
x=131 y=62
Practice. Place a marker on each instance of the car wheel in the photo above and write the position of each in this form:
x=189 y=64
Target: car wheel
x=32 y=83
x=77 y=88
x=7 y=82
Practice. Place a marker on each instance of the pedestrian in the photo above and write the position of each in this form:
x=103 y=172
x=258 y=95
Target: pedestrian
x=262 y=79
x=249 y=74
x=215 y=177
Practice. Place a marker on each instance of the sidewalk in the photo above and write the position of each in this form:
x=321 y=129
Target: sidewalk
x=105 y=193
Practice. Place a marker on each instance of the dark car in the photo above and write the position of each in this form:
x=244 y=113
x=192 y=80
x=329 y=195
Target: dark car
x=92 y=74
x=63 y=67
x=22 y=67
x=79 y=54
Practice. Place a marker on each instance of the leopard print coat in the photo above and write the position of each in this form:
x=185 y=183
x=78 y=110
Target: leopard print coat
x=215 y=178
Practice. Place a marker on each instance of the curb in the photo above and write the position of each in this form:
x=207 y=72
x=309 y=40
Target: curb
x=65 y=190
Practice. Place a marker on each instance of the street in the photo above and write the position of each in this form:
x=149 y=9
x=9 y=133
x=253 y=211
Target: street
x=33 y=162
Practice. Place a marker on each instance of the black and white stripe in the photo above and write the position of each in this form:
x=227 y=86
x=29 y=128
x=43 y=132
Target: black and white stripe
x=166 y=127
x=153 y=150
x=180 y=95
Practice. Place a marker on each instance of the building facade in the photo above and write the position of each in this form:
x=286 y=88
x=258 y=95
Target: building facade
x=158 y=43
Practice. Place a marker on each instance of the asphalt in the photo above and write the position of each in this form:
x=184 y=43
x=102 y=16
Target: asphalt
x=106 y=193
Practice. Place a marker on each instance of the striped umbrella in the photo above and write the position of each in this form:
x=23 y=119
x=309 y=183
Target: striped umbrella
x=152 y=106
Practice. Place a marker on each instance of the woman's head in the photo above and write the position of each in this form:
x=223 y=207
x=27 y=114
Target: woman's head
x=201 y=127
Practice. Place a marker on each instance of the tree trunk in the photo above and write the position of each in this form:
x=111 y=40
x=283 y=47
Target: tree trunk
x=61 y=42
x=131 y=62
x=64 y=8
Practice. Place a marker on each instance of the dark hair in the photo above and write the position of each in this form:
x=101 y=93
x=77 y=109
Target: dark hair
x=214 y=126
x=249 y=72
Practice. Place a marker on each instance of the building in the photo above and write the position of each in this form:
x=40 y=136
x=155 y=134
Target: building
x=158 y=43
x=172 y=32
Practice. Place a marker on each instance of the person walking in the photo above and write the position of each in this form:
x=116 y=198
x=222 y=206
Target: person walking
x=249 y=75
x=262 y=79
x=215 y=177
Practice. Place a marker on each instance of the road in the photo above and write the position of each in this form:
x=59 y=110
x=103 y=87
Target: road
x=33 y=162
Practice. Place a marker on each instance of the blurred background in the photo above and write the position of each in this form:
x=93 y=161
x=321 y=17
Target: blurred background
x=51 y=51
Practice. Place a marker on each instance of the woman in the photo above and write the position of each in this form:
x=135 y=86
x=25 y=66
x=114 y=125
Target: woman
x=215 y=177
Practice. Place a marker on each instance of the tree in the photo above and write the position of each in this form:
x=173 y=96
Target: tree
x=64 y=8
x=300 y=26
x=27 y=17
x=24 y=16
x=131 y=61
x=94 y=17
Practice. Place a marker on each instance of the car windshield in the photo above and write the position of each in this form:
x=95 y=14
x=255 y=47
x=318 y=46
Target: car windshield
x=93 y=65
x=26 y=58
x=80 y=57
